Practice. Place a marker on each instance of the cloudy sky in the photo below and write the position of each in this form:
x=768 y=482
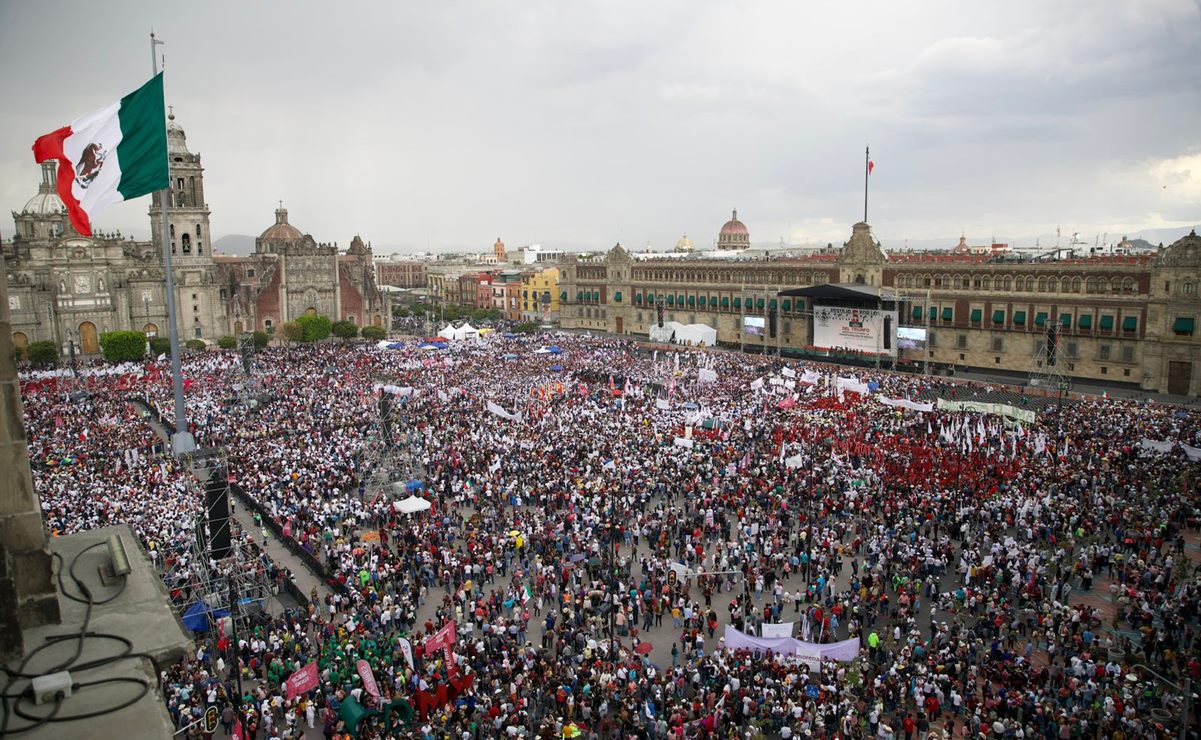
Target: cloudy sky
x=585 y=123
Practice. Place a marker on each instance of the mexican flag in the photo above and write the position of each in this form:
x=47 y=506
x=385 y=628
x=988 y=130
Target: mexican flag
x=111 y=155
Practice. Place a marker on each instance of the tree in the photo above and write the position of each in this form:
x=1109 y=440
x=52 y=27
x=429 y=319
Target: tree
x=261 y=339
x=374 y=333
x=196 y=345
x=227 y=342
x=160 y=345
x=345 y=330
x=42 y=354
x=123 y=346
x=291 y=331
x=314 y=328
x=527 y=327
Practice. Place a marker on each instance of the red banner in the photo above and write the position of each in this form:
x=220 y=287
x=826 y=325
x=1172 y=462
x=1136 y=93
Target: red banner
x=369 y=684
x=306 y=679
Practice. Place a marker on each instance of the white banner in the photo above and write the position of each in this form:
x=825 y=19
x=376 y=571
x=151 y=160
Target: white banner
x=1193 y=453
x=499 y=411
x=662 y=404
x=793 y=462
x=999 y=409
x=395 y=390
x=683 y=442
x=756 y=384
x=854 y=328
x=788 y=372
x=853 y=385
x=705 y=375
x=810 y=377
x=906 y=404
x=777 y=630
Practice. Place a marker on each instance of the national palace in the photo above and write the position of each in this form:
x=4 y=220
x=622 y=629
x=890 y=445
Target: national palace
x=1125 y=319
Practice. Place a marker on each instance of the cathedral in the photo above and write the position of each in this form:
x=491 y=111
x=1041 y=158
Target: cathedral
x=70 y=289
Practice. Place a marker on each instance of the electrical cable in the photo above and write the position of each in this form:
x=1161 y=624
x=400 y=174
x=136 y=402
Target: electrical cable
x=71 y=664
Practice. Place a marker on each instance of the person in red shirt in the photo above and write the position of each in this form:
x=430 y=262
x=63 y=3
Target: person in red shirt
x=909 y=724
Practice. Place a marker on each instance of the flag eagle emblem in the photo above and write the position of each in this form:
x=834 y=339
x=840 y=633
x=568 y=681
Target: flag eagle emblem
x=90 y=163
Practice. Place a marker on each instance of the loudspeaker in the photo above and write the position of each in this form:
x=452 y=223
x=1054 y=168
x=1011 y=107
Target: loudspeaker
x=1052 y=343
x=659 y=313
x=771 y=323
x=887 y=332
x=216 y=513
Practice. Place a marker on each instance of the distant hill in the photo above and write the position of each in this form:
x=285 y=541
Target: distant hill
x=236 y=245
x=1142 y=244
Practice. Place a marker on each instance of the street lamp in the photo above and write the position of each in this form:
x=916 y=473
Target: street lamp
x=1186 y=693
x=72 y=334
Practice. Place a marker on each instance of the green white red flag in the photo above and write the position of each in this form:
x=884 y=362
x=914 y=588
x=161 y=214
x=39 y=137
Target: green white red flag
x=111 y=155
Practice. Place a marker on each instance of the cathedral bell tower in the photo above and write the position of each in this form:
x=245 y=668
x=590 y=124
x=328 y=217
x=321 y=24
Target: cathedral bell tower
x=188 y=217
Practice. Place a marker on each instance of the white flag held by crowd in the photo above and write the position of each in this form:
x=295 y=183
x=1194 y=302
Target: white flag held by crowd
x=499 y=411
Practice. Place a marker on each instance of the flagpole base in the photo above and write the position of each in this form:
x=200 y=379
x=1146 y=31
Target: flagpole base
x=182 y=443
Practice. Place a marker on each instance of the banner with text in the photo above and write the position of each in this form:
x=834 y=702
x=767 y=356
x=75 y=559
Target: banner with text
x=859 y=329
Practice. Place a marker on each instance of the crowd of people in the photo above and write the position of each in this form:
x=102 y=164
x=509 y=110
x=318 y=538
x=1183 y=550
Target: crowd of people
x=601 y=514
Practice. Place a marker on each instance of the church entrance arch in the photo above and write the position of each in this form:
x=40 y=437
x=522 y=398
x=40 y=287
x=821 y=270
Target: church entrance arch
x=89 y=341
x=377 y=320
x=20 y=341
x=310 y=311
x=150 y=330
x=238 y=328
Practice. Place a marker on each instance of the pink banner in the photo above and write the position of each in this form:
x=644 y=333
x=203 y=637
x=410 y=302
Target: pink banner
x=305 y=679
x=443 y=638
x=369 y=684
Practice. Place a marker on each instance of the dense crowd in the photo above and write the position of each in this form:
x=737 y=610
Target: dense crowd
x=1004 y=578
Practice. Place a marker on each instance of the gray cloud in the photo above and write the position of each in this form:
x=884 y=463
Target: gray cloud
x=584 y=123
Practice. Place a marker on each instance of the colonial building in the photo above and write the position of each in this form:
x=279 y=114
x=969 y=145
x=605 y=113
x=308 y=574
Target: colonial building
x=540 y=295
x=400 y=273
x=69 y=289
x=1125 y=319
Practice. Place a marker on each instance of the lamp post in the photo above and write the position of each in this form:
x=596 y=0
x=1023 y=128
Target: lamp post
x=71 y=336
x=1186 y=692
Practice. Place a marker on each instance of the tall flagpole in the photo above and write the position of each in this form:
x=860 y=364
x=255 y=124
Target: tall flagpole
x=867 y=158
x=182 y=441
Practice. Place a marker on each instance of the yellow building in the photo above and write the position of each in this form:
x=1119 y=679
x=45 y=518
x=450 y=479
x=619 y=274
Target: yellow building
x=540 y=295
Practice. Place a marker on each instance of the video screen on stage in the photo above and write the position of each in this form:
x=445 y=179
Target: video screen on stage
x=754 y=325
x=911 y=337
x=860 y=329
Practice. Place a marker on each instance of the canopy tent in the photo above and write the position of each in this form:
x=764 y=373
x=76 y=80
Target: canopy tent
x=199 y=616
x=551 y=350
x=432 y=345
x=459 y=333
x=411 y=505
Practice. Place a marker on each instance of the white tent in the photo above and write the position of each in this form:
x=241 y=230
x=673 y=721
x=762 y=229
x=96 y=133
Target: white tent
x=693 y=334
x=469 y=331
x=449 y=332
x=665 y=333
x=411 y=505
x=696 y=335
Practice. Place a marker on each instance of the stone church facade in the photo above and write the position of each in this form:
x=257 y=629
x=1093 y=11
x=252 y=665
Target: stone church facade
x=70 y=289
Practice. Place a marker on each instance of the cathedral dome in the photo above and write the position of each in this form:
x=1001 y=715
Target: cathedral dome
x=734 y=234
x=281 y=229
x=46 y=202
x=684 y=244
x=734 y=226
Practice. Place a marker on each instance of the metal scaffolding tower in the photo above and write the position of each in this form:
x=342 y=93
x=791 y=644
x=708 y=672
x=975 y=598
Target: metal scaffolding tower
x=211 y=577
